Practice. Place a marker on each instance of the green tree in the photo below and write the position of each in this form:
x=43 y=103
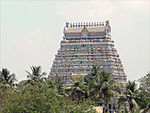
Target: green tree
x=143 y=99
x=144 y=92
x=7 y=78
x=91 y=81
x=101 y=87
x=106 y=88
x=93 y=73
x=145 y=82
x=59 y=85
x=77 y=90
x=36 y=73
x=5 y=93
x=39 y=98
x=130 y=95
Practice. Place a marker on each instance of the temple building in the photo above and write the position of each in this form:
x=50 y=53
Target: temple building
x=84 y=45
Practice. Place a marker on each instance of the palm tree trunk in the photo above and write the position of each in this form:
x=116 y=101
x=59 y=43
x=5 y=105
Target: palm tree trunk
x=97 y=100
x=130 y=106
x=105 y=104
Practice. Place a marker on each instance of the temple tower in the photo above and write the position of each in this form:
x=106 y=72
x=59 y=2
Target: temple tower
x=83 y=45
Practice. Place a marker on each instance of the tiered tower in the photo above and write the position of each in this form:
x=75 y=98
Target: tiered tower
x=84 y=45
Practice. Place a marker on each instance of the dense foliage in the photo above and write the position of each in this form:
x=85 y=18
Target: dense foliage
x=38 y=98
x=40 y=95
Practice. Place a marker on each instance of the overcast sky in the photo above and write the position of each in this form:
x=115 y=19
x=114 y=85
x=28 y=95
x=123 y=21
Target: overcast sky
x=31 y=31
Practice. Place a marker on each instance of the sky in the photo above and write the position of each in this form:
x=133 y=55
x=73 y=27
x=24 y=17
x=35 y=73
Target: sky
x=31 y=31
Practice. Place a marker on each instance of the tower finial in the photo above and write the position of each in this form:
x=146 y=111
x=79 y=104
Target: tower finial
x=86 y=24
x=67 y=24
x=79 y=24
x=97 y=23
x=70 y=24
x=107 y=22
x=89 y=24
x=102 y=23
x=92 y=24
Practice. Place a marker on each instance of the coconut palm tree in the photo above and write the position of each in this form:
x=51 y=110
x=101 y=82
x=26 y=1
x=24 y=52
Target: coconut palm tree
x=58 y=85
x=94 y=71
x=130 y=95
x=143 y=99
x=77 y=90
x=91 y=80
x=36 y=73
x=7 y=78
x=101 y=87
x=136 y=109
x=106 y=88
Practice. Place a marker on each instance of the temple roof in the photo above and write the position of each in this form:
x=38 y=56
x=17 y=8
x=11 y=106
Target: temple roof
x=96 y=27
x=89 y=29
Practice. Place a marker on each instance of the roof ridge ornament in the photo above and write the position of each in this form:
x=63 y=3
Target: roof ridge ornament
x=107 y=22
x=107 y=28
x=67 y=24
x=79 y=24
x=86 y=24
x=70 y=24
